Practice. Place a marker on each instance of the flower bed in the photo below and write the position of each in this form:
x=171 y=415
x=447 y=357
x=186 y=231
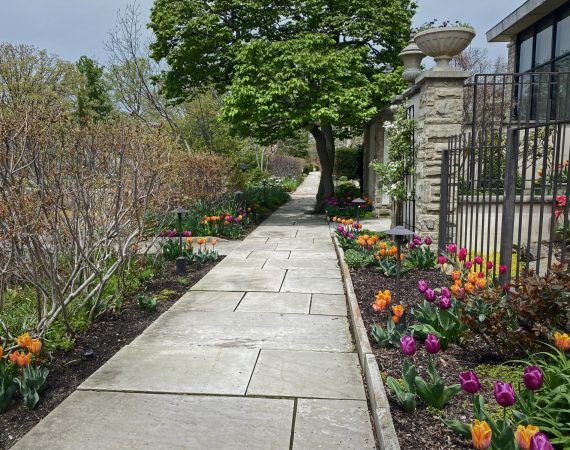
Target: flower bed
x=92 y=348
x=453 y=350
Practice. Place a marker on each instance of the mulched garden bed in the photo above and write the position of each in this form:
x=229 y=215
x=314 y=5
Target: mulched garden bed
x=422 y=430
x=105 y=338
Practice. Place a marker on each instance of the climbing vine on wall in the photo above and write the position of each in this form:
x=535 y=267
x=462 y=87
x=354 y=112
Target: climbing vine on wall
x=401 y=156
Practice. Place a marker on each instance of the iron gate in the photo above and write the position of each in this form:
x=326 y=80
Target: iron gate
x=505 y=183
x=409 y=205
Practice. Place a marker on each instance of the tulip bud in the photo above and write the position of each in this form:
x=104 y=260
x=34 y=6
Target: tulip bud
x=429 y=295
x=540 y=442
x=445 y=292
x=462 y=254
x=452 y=248
x=489 y=265
x=428 y=240
x=422 y=286
x=533 y=378
x=469 y=382
x=503 y=269
x=432 y=344
x=444 y=303
x=478 y=260
x=441 y=260
x=407 y=345
x=504 y=394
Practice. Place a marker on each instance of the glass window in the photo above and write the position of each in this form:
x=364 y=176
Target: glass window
x=563 y=35
x=543 y=44
x=563 y=88
x=525 y=53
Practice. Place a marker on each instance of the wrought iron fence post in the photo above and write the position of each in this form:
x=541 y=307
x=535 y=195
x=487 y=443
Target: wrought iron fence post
x=443 y=200
x=508 y=220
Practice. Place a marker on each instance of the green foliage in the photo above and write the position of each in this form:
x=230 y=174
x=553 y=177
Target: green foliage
x=8 y=386
x=446 y=324
x=549 y=407
x=389 y=335
x=32 y=383
x=401 y=156
x=434 y=392
x=421 y=257
x=355 y=258
x=93 y=100
x=348 y=163
x=405 y=394
x=146 y=302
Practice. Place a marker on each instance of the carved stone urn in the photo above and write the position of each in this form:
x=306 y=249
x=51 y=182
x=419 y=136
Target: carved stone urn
x=444 y=43
x=412 y=57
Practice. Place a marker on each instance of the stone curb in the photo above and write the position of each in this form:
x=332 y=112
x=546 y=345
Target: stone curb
x=385 y=431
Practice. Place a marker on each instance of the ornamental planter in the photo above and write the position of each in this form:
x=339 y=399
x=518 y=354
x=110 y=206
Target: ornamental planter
x=444 y=43
x=412 y=57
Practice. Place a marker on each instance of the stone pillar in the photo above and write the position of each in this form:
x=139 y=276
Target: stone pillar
x=438 y=100
x=374 y=150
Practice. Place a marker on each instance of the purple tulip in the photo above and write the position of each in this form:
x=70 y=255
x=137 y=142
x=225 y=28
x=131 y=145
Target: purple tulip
x=422 y=286
x=533 y=378
x=468 y=265
x=428 y=240
x=432 y=344
x=340 y=228
x=444 y=303
x=504 y=394
x=462 y=254
x=540 y=442
x=407 y=345
x=445 y=292
x=469 y=382
x=441 y=259
x=478 y=260
x=429 y=294
x=351 y=236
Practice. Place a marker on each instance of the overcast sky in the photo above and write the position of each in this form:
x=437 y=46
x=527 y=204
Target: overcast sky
x=71 y=28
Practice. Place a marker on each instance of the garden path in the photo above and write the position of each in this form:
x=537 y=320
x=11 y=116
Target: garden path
x=257 y=355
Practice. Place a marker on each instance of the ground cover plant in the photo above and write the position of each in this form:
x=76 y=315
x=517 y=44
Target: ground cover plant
x=470 y=363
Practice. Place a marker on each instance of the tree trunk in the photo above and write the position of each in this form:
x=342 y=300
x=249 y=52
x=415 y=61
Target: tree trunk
x=325 y=149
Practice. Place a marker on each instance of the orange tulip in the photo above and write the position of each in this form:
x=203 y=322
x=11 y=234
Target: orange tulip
x=457 y=283
x=189 y=240
x=35 y=347
x=21 y=359
x=401 y=256
x=395 y=319
x=481 y=283
x=469 y=288
x=393 y=250
x=383 y=245
x=1 y=352
x=456 y=275
x=24 y=340
x=383 y=252
x=562 y=341
x=523 y=435
x=481 y=435
x=214 y=242
x=398 y=310
x=472 y=277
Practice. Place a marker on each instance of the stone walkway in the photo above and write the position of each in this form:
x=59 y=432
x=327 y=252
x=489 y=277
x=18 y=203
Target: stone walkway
x=257 y=355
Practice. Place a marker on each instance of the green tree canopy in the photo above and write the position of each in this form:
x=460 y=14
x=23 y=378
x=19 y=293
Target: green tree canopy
x=323 y=66
x=93 y=100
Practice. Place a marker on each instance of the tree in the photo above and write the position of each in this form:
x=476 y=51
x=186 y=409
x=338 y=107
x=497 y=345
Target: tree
x=322 y=66
x=93 y=101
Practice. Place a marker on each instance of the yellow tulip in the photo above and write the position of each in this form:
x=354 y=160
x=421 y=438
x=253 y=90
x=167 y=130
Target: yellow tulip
x=481 y=435
x=523 y=435
x=562 y=341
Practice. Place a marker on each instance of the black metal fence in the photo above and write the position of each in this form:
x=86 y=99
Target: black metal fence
x=409 y=205
x=505 y=183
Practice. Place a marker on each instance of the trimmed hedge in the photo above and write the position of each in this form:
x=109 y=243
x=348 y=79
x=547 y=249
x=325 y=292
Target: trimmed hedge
x=348 y=162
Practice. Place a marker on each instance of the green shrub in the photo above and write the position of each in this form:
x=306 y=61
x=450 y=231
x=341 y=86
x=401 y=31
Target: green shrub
x=357 y=258
x=348 y=162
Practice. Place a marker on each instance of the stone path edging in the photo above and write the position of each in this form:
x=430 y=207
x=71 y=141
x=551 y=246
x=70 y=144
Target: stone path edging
x=379 y=406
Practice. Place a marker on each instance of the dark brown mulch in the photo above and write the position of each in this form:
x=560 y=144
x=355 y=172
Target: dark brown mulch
x=105 y=338
x=422 y=430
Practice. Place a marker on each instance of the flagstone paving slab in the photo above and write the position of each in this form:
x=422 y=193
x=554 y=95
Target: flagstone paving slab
x=299 y=263
x=334 y=305
x=208 y=301
x=246 y=279
x=264 y=255
x=120 y=421
x=332 y=424
x=176 y=369
x=307 y=374
x=295 y=283
x=250 y=330
x=313 y=255
x=278 y=302
x=314 y=273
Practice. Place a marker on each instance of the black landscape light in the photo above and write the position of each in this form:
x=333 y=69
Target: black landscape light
x=399 y=233
x=238 y=195
x=358 y=202
x=181 y=260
